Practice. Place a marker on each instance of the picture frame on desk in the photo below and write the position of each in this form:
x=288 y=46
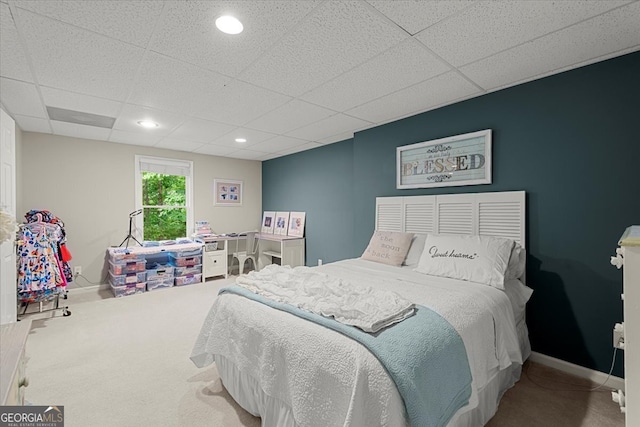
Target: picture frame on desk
x=268 y=222
x=227 y=192
x=281 y=223
x=296 y=224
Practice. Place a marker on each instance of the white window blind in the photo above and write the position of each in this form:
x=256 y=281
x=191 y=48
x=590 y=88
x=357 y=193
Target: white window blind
x=165 y=166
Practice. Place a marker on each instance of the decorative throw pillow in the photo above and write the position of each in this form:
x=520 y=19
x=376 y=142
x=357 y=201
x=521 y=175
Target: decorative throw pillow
x=480 y=259
x=388 y=247
x=517 y=263
x=415 y=251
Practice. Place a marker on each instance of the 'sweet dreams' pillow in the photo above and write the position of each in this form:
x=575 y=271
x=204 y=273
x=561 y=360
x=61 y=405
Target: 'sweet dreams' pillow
x=388 y=247
x=481 y=259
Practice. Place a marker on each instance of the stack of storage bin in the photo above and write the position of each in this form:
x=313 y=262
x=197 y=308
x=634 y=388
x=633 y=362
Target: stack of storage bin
x=188 y=266
x=127 y=274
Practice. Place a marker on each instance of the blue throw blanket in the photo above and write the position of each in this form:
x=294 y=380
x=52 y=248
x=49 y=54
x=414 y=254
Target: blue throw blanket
x=423 y=354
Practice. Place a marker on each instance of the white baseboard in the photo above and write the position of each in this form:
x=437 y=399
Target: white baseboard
x=579 y=371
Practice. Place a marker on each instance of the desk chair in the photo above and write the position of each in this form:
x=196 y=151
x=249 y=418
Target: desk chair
x=250 y=252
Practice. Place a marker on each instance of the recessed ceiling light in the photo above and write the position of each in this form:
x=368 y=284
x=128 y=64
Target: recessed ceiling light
x=229 y=24
x=148 y=124
x=241 y=140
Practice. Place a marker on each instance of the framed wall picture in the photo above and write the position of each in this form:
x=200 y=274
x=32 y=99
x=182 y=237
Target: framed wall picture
x=227 y=192
x=268 y=222
x=456 y=160
x=282 y=223
x=296 y=224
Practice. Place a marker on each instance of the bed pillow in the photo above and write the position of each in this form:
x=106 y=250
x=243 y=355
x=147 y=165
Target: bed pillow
x=415 y=250
x=517 y=263
x=388 y=247
x=481 y=259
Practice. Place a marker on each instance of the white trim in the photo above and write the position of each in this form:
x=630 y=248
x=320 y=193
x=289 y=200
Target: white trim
x=596 y=377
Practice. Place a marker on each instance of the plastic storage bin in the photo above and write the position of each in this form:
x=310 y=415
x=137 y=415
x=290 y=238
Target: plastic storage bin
x=190 y=261
x=122 y=255
x=123 y=291
x=188 y=279
x=127 y=278
x=183 y=271
x=159 y=282
x=123 y=267
x=160 y=270
x=186 y=254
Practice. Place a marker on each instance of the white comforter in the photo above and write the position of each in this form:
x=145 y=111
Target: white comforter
x=329 y=379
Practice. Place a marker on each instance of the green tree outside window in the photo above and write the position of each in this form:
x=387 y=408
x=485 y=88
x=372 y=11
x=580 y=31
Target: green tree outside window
x=164 y=206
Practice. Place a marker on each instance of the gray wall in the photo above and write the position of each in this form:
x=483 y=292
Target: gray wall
x=90 y=186
x=570 y=141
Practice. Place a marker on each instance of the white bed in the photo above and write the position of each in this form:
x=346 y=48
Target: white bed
x=292 y=372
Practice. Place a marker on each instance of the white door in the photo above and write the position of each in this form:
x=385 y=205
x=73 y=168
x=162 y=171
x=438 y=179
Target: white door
x=8 y=288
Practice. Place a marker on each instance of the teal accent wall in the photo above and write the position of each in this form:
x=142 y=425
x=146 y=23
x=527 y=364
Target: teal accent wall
x=569 y=140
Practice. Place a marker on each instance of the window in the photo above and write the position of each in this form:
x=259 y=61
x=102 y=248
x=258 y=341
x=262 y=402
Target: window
x=163 y=192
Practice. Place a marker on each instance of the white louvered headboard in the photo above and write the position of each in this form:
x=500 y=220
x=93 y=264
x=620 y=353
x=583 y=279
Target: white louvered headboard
x=499 y=214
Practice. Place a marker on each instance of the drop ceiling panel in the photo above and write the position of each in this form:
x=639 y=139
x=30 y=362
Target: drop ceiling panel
x=200 y=131
x=13 y=63
x=279 y=143
x=80 y=131
x=132 y=114
x=21 y=98
x=238 y=103
x=78 y=102
x=491 y=27
x=336 y=124
x=70 y=58
x=32 y=124
x=178 y=144
x=247 y=155
x=128 y=21
x=336 y=138
x=134 y=138
x=415 y=16
x=336 y=37
x=292 y=115
x=404 y=65
x=570 y=47
x=214 y=150
x=299 y=148
x=172 y=85
x=188 y=31
x=251 y=135
x=441 y=90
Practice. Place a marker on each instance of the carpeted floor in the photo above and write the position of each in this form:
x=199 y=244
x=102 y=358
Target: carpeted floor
x=125 y=362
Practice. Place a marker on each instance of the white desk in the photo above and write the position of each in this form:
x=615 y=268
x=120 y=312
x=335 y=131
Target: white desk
x=283 y=250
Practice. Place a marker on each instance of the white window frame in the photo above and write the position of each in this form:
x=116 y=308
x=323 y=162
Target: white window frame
x=162 y=162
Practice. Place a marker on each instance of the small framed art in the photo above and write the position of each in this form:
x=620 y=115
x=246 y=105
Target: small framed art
x=296 y=224
x=282 y=223
x=268 y=222
x=227 y=192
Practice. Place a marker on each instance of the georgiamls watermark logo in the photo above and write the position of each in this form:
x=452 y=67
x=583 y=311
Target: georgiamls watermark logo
x=31 y=416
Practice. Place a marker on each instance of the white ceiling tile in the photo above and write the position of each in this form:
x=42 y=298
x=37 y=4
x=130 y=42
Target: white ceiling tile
x=134 y=138
x=78 y=102
x=214 y=150
x=128 y=21
x=32 y=124
x=439 y=91
x=188 y=31
x=67 y=57
x=172 y=85
x=14 y=63
x=493 y=26
x=132 y=114
x=290 y=116
x=414 y=16
x=279 y=143
x=178 y=144
x=201 y=130
x=247 y=155
x=336 y=138
x=299 y=148
x=401 y=66
x=21 y=98
x=338 y=123
x=79 y=131
x=251 y=135
x=336 y=37
x=238 y=103
x=577 y=45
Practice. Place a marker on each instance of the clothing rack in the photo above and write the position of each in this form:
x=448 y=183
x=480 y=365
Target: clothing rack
x=42 y=273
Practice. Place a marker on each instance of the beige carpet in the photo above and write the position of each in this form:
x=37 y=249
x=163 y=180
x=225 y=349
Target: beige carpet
x=125 y=362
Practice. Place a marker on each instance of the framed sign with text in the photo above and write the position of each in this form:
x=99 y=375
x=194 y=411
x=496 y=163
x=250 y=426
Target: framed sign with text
x=446 y=162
